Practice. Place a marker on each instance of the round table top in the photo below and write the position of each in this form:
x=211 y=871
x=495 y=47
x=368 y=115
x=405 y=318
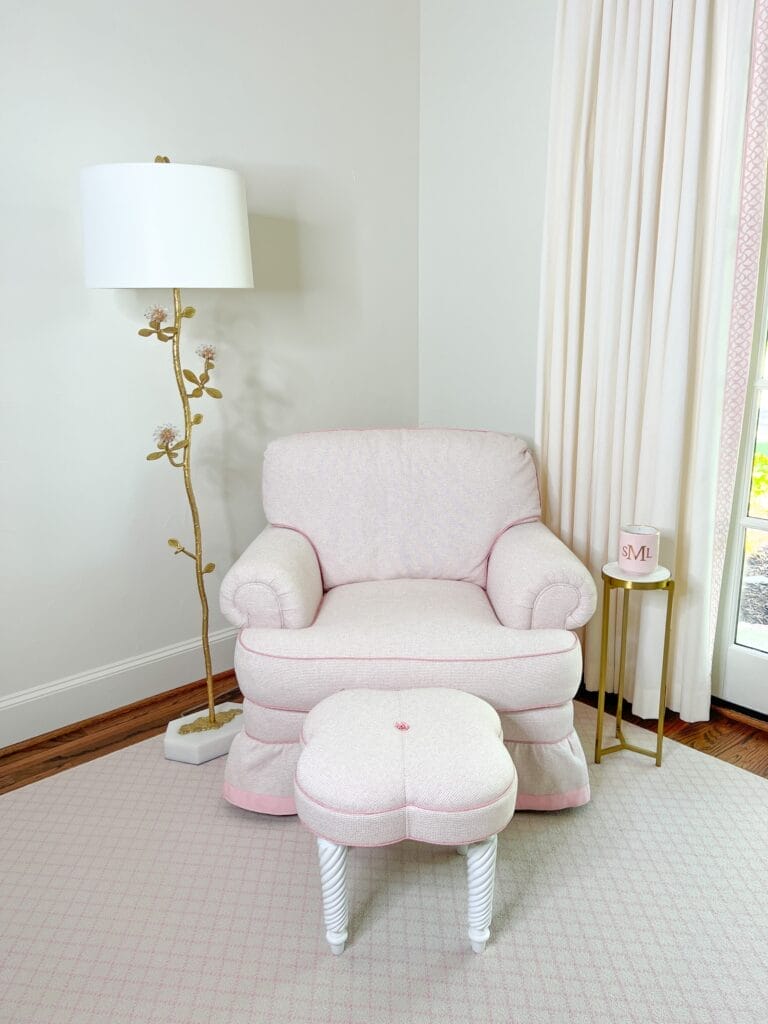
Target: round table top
x=659 y=575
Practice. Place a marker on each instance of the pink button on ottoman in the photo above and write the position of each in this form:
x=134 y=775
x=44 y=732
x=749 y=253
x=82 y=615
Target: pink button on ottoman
x=380 y=766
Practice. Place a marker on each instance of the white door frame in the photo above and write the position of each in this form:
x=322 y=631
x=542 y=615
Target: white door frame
x=740 y=674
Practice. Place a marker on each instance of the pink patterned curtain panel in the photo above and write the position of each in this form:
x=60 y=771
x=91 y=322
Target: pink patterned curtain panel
x=742 y=323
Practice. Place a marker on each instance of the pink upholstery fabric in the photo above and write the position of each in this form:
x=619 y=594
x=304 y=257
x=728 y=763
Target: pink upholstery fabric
x=380 y=766
x=552 y=772
x=406 y=633
x=403 y=522
x=275 y=583
x=383 y=504
x=536 y=582
x=545 y=726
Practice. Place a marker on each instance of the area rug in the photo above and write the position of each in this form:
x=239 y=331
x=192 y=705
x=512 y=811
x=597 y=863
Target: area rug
x=132 y=893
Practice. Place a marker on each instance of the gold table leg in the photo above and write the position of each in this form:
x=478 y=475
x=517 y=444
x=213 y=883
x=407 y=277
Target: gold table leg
x=603 y=667
x=670 y=589
x=622 y=664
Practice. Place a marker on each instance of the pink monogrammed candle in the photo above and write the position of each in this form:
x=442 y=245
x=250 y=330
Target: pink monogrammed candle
x=638 y=549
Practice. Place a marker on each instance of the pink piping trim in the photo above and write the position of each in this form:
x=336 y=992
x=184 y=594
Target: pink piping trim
x=483 y=560
x=346 y=657
x=259 y=801
x=282 y=805
x=540 y=743
x=543 y=743
x=499 y=711
x=500 y=534
x=522 y=711
x=403 y=807
x=278 y=743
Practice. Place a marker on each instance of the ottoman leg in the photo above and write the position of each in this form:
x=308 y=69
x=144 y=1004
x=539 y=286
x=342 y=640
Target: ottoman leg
x=462 y=850
x=333 y=880
x=481 y=872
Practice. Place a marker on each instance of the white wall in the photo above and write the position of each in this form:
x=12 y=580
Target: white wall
x=317 y=105
x=484 y=113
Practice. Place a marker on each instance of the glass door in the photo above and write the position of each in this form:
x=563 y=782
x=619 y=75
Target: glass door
x=744 y=619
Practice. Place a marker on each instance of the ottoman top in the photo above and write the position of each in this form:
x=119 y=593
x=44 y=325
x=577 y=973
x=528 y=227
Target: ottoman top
x=379 y=766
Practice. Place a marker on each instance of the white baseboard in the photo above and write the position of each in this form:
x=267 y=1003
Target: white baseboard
x=40 y=709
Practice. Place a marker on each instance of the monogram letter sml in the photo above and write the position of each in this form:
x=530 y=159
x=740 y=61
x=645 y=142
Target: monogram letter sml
x=643 y=553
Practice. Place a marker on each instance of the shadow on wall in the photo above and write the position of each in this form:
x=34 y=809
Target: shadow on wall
x=252 y=373
x=301 y=319
x=276 y=253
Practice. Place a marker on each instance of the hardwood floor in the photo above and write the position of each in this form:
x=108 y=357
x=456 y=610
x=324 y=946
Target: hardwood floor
x=730 y=735
x=55 y=751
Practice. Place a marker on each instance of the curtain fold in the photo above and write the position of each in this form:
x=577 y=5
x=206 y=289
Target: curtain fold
x=643 y=178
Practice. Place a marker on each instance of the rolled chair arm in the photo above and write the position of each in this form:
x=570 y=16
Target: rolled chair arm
x=536 y=582
x=275 y=583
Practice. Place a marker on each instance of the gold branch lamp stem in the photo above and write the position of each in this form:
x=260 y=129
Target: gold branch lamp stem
x=178 y=451
x=186 y=467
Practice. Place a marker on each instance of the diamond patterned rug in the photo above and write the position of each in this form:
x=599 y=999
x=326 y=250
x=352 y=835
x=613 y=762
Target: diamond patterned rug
x=133 y=894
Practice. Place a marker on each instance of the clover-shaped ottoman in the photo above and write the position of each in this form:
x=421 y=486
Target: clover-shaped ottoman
x=380 y=766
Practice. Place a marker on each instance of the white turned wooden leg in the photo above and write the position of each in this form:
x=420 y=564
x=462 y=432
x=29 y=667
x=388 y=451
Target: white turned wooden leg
x=481 y=873
x=333 y=880
x=462 y=850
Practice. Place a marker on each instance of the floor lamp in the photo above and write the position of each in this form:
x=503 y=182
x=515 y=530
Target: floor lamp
x=164 y=225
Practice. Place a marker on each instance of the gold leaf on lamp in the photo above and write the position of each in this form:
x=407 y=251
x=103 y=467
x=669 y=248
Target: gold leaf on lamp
x=190 y=376
x=197 y=418
x=213 y=392
x=195 y=393
x=210 y=567
x=155 y=455
x=173 y=543
x=188 y=311
x=145 y=332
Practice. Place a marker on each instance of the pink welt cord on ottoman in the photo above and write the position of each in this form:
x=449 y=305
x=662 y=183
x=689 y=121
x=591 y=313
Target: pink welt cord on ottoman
x=381 y=766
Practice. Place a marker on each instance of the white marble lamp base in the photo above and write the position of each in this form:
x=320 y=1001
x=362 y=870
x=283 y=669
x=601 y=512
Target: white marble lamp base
x=199 y=747
x=481 y=873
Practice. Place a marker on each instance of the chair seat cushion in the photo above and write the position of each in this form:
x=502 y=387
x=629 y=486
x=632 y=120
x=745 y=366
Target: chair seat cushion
x=408 y=633
x=380 y=766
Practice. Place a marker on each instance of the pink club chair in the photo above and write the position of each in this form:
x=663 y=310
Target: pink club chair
x=395 y=559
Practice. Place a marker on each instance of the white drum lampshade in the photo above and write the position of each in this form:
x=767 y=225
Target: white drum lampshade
x=164 y=225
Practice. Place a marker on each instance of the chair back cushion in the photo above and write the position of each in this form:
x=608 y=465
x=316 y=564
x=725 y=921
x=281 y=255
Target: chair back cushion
x=402 y=503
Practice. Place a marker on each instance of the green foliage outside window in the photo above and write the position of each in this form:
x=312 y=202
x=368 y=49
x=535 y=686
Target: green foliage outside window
x=758 y=505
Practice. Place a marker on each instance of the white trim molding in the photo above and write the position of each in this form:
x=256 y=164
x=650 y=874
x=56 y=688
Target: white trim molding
x=39 y=709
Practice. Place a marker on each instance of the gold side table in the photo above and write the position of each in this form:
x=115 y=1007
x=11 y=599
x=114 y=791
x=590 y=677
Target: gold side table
x=615 y=578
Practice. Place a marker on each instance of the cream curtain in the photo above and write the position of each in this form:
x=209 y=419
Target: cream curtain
x=645 y=148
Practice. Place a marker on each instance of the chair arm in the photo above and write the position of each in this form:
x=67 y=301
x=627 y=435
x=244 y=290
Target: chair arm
x=275 y=583
x=536 y=582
